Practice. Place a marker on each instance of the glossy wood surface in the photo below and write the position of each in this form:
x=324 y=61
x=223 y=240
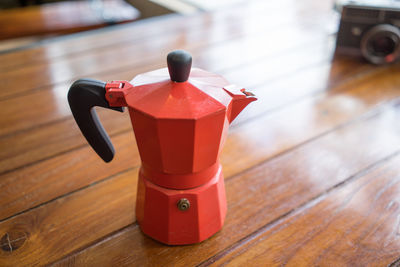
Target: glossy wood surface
x=63 y=17
x=311 y=168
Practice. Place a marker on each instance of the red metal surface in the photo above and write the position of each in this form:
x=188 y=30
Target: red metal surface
x=160 y=218
x=180 y=128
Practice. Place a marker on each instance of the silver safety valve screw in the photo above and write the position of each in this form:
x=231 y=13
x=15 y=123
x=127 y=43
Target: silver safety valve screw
x=183 y=204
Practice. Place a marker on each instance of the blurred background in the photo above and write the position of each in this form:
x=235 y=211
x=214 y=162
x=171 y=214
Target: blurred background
x=368 y=28
x=27 y=22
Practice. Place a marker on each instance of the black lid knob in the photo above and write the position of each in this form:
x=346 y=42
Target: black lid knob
x=179 y=65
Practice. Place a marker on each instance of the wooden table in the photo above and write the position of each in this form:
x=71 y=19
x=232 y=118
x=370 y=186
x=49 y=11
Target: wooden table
x=312 y=169
x=64 y=17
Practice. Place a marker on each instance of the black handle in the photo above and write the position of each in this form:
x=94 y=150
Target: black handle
x=179 y=65
x=83 y=96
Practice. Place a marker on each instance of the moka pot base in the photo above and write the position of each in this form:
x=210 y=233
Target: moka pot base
x=179 y=217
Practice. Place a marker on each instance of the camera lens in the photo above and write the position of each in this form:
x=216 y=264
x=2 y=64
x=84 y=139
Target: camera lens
x=381 y=44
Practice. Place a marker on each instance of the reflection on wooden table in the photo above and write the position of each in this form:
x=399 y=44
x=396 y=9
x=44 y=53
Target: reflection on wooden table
x=311 y=168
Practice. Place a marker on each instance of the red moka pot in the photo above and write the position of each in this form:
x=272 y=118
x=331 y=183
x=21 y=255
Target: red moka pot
x=180 y=117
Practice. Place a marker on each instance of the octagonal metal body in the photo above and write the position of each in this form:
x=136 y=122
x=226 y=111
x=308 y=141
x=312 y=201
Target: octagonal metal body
x=179 y=146
x=160 y=218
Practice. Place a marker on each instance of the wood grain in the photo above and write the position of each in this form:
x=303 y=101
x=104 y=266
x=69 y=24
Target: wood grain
x=65 y=70
x=258 y=196
x=62 y=18
x=312 y=79
x=171 y=25
x=311 y=168
x=47 y=106
x=92 y=211
x=354 y=224
x=36 y=184
x=116 y=58
x=234 y=162
x=266 y=136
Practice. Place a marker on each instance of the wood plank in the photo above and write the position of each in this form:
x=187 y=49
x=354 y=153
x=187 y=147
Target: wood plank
x=62 y=18
x=65 y=135
x=59 y=175
x=42 y=230
x=67 y=165
x=303 y=140
x=266 y=137
x=123 y=56
x=172 y=25
x=291 y=126
x=255 y=198
x=47 y=108
x=354 y=224
x=310 y=82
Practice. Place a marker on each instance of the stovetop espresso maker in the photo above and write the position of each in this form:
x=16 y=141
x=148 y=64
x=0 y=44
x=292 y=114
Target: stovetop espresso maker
x=180 y=117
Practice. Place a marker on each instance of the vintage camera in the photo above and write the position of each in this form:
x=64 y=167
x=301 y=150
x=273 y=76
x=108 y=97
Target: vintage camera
x=370 y=29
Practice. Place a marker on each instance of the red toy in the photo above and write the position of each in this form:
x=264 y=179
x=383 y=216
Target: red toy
x=180 y=117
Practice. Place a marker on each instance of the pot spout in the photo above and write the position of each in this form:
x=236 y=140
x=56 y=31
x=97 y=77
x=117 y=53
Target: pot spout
x=240 y=99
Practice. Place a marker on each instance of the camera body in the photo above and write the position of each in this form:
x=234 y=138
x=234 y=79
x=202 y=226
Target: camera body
x=371 y=31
